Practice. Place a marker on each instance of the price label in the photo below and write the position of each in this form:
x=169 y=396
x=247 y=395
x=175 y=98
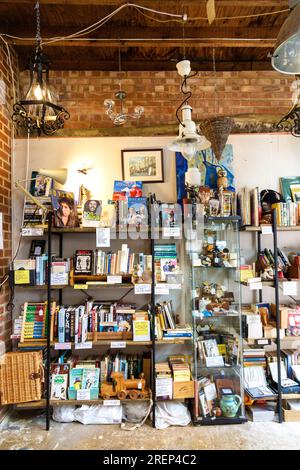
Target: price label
x=114 y=279
x=255 y=285
x=80 y=286
x=142 y=288
x=62 y=346
x=83 y=394
x=161 y=289
x=171 y=231
x=289 y=288
x=111 y=402
x=32 y=232
x=118 y=344
x=86 y=345
x=102 y=237
x=174 y=286
x=266 y=229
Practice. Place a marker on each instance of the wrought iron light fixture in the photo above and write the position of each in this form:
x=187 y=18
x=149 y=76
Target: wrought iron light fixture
x=188 y=140
x=38 y=112
x=291 y=121
x=286 y=57
x=120 y=118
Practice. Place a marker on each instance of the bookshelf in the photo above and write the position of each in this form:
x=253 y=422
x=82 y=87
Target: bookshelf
x=80 y=283
x=276 y=284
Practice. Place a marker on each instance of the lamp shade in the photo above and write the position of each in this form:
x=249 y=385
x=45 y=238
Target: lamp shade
x=286 y=56
x=58 y=174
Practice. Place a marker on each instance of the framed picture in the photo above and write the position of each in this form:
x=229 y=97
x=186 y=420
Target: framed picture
x=144 y=165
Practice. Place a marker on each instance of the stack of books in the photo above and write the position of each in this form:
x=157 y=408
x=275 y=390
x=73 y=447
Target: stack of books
x=254 y=357
x=33 y=215
x=287 y=213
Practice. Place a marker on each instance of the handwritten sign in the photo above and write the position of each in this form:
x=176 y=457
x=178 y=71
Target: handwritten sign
x=255 y=285
x=102 y=237
x=266 y=229
x=83 y=394
x=117 y=344
x=32 y=232
x=114 y=279
x=289 y=288
x=62 y=346
x=161 y=289
x=111 y=402
x=86 y=345
x=142 y=288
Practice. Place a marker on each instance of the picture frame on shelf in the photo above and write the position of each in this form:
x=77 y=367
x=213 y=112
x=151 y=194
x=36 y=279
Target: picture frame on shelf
x=144 y=165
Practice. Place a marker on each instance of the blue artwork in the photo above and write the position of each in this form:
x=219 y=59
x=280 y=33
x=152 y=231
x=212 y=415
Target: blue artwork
x=208 y=165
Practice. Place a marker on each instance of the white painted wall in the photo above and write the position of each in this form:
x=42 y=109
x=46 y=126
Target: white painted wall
x=259 y=160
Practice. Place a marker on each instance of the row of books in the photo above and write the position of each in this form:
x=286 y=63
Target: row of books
x=33 y=215
x=254 y=357
x=71 y=324
x=266 y=258
x=218 y=349
x=287 y=213
x=121 y=262
x=33 y=271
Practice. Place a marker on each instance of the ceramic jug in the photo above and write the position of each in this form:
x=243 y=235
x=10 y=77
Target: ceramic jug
x=230 y=405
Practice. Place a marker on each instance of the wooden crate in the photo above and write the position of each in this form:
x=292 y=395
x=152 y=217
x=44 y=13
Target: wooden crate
x=21 y=376
x=116 y=336
x=183 y=389
x=290 y=415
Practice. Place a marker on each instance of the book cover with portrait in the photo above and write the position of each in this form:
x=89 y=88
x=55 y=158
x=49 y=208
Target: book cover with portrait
x=91 y=214
x=64 y=208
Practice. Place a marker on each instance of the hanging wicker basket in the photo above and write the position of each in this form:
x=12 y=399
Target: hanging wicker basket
x=217 y=130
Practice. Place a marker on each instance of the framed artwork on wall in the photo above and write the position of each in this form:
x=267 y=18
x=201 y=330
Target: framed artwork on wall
x=144 y=165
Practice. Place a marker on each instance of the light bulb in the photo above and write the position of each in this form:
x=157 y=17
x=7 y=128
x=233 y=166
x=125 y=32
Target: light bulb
x=38 y=92
x=188 y=150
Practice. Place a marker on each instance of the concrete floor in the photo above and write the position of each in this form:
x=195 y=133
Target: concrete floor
x=26 y=430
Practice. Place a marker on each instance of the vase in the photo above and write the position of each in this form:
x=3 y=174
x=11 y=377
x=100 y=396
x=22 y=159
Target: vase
x=230 y=405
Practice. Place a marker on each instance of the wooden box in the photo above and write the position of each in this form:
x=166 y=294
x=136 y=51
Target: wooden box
x=21 y=377
x=290 y=415
x=183 y=389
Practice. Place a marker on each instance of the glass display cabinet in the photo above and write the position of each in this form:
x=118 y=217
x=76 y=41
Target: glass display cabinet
x=214 y=259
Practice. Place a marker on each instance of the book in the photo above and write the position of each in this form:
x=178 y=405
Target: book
x=90 y=378
x=91 y=215
x=37 y=248
x=40 y=184
x=59 y=384
x=76 y=376
x=125 y=189
x=285 y=183
x=64 y=208
x=137 y=211
x=83 y=262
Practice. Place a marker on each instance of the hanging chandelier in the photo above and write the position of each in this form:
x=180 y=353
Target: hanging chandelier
x=188 y=140
x=121 y=117
x=38 y=112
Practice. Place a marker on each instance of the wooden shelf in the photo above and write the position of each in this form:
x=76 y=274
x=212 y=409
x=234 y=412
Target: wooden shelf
x=34 y=344
x=42 y=403
x=173 y=341
x=127 y=285
x=294 y=228
x=271 y=283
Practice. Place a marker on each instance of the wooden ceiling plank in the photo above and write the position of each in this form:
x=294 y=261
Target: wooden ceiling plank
x=219 y=3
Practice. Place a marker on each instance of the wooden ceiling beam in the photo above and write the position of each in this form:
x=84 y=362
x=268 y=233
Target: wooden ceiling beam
x=160 y=43
x=80 y=63
x=155 y=3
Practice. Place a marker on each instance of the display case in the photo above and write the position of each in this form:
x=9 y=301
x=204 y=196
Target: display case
x=214 y=258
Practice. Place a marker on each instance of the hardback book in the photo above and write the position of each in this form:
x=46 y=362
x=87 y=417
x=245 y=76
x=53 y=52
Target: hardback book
x=90 y=378
x=83 y=262
x=126 y=189
x=91 y=214
x=37 y=248
x=137 y=211
x=59 y=383
x=76 y=376
x=40 y=185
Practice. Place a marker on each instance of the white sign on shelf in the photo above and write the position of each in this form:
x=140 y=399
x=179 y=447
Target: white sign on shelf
x=111 y=402
x=114 y=279
x=86 y=345
x=32 y=232
x=174 y=286
x=62 y=346
x=102 y=237
x=255 y=285
x=161 y=289
x=83 y=394
x=266 y=229
x=289 y=288
x=142 y=288
x=171 y=232
x=117 y=344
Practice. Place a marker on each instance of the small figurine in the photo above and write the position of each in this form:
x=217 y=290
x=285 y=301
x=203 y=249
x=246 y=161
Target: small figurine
x=222 y=181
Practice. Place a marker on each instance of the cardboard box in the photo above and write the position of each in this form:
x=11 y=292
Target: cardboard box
x=183 y=389
x=290 y=415
x=283 y=314
x=271 y=332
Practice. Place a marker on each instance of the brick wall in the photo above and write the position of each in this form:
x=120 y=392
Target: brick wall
x=6 y=97
x=83 y=93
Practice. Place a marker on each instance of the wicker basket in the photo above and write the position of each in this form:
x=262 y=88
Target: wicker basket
x=21 y=377
x=217 y=130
